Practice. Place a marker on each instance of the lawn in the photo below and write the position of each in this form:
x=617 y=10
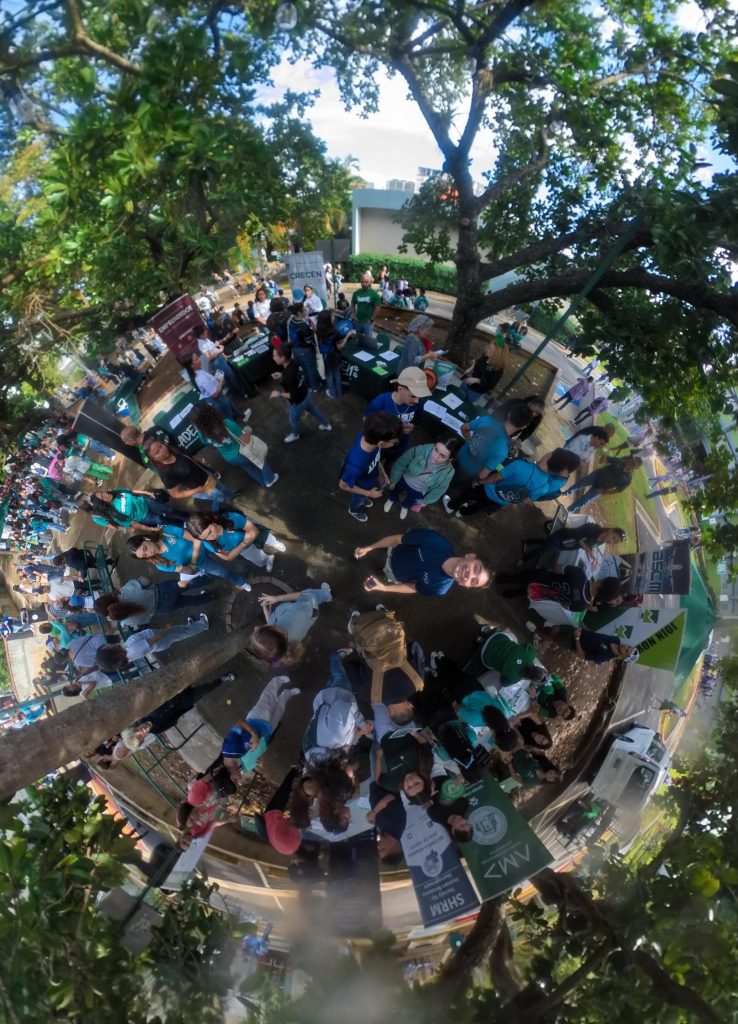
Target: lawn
x=640 y=486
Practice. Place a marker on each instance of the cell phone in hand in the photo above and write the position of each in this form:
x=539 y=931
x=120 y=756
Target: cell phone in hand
x=370 y=583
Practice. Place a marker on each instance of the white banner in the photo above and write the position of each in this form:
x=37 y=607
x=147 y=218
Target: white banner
x=306 y=268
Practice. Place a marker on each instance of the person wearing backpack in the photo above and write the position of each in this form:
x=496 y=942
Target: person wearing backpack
x=304 y=346
x=330 y=342
x=248 y=739
x=521 y=482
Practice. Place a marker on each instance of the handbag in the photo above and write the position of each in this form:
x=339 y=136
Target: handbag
x=320 y=362
x=255 y=450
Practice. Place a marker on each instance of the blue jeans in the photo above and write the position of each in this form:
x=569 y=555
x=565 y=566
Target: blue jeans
x=337 y=673
x=101 y=449
x=307 y=359
x=333 y=380
x=214 y=566
x=357 y=501
x=308 y=405
x=217 y=496
x=411 y=496
x=263 y=475
x=470 y=394
x=365 y=335
x=585 y=499
x=225 y=406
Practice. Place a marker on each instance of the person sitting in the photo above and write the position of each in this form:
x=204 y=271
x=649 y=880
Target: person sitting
x=579 y=538
x=247 y=740
x=571 y=588
x=600 y=648
x=485 y=373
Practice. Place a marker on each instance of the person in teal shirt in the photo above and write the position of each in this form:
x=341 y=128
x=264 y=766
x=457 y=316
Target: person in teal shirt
x=420 y=302
x=174 y=549
x=123 y=509
x=472 y=705
x=231 y=535
x=225 y=436
x=521 y=482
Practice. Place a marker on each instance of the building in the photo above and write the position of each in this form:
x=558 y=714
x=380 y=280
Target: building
x=375 y=214
x=398 y=185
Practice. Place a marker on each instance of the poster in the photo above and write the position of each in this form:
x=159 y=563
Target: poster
x=656 y=632
x=666 y=570
x=504 y=850
x=442 y=887
x=306 y=268
x=354 y=904
x=174 y=324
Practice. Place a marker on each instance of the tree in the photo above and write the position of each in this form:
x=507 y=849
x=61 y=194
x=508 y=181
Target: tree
x=135 y=154
x=50 y=743
x=64 y=959
x=597 y=115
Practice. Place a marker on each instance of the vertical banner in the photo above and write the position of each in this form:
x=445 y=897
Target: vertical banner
x=442 y=887
x=174 y=324
x=504 y=850
x=97 y=421
x=354 y=904
x=666 y=570
x=306 y=268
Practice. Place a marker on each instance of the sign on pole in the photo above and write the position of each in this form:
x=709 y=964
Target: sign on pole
x=174 y=324
x=306 y=268
x=666 y=570
x=504 y=850
x=442 y=887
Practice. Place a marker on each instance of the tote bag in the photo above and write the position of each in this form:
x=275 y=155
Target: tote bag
x=255 y=450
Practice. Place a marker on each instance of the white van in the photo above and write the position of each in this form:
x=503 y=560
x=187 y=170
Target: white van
x=634 y=766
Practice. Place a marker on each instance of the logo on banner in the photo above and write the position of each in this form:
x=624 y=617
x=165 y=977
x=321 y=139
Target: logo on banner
x=489 y=824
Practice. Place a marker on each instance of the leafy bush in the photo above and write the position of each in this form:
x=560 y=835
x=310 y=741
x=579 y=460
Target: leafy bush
x=421 y=274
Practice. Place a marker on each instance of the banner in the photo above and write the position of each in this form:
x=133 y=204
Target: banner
x=306 y=268
x=354 y=904
x=504 y=850
x=442 y=887
x=663 y=571
x=656 y=632
x=174 y=324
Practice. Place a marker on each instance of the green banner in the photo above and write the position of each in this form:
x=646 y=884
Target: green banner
x=504 y=850
x=661 y=649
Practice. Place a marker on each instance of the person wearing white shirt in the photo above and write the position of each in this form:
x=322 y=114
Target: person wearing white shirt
x=212 y=389
x=312 y=302
x=337 y=722
x=119 y=657
x=261 y=305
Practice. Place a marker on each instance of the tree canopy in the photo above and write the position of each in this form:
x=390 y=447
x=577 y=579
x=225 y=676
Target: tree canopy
x=598 y=114
x=135 y=157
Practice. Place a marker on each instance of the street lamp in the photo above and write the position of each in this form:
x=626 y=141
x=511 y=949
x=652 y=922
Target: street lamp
x=286 y=17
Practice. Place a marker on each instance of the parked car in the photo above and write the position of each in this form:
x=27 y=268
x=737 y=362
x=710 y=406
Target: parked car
x=634 y=765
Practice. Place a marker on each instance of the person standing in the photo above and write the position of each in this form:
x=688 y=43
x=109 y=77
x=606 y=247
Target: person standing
x=121 y=509
x=361 y=473
x=247 y=740
x=183 y=476
x=587 y=441
x=289 y=618
x=520 y=482
x=227 y=436
x=313 y=303
x=261 y=305
x=119 y=657
x=295 y=389
x=612 y=478
x=404 y=401
x=173 y=549
x=421 y=475
x=424 y=562
x=364 y=304
x=301 y=336
x=330 y=342
x=577 y=392
x=233 y=536
x=596 y=406
x=140 y=600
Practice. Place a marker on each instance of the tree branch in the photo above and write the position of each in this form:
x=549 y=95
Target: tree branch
x=456 y=975
x=433 y=119
x=80 y=36
x=507 y=181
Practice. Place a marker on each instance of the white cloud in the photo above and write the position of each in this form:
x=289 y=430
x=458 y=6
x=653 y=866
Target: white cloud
x=690 y=17
x=391 y=143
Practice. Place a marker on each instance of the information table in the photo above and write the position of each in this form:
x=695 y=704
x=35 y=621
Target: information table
x=369 y=373
x=256 y=360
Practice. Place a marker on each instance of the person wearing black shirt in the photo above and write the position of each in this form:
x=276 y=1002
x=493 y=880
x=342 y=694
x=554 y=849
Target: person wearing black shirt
x=182 y=476
x=485 y=374
x=585 y=537
x=295 y=389
x=570 y=588
x=537 y=407
x=600 y=648
x=613 y=477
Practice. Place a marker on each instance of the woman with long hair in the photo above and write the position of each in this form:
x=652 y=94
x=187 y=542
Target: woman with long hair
x=485 y=373
x=232 y=536
x=226 y=436
x=121 y=509
x=140 y=600
x=422 y=475
x=330 y=342
x=183 y=476
x=173 y=549
x=289 y=619
x=261 y=305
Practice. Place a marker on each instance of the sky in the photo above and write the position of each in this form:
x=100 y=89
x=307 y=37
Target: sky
x=395 y=141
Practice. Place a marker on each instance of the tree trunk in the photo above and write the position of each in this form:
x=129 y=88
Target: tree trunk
x=456 y=976
x=466 y=314
x=28 y=754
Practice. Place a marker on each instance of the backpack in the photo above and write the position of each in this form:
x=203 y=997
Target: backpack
x=380 y=639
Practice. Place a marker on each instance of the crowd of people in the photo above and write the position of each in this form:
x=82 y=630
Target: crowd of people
x=411 y=727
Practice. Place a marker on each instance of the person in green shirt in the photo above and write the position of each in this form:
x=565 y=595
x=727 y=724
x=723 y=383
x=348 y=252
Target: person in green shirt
x=403 y=762
x=364 y=304
x=514 y=661
x=122 y=509
x=552 y=700
x=226 y=436
x=530 y=770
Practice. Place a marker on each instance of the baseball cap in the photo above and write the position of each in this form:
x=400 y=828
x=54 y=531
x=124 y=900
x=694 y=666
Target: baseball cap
x=199 y=792
x=413 y=378
x=285 y=838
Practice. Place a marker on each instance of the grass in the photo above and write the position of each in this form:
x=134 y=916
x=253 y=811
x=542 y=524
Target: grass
x=619 y=510
x=640 y=486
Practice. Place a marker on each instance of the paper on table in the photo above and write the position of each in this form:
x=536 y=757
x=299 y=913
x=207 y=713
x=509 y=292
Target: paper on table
x=389 y=355
x=435 y=409
x=453 y=422
x=363 y=357
x=452 y=401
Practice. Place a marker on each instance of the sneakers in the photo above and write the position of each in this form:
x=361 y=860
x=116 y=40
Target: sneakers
x=245 y=586
x=360 y=517
x=269 y=564
x=246 y=416
x=291 y=437
x=350 y=625
x=277 y=545
x=325 y=426
x=403 y=513
x=368 y=503
x=446 y=499
x=204 y=619
x=326 y=587
x=276 y=477
x=388 y=505
x=227 y=678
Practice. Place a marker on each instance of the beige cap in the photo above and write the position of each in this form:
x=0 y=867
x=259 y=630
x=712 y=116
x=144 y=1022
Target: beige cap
x=413 y=378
